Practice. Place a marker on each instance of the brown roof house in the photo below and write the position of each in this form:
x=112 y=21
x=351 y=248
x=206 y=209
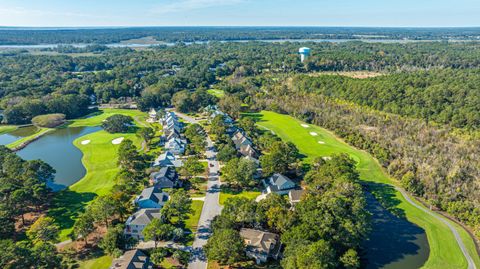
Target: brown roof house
x=294 y=196
x=261 y=245
x=132 y=259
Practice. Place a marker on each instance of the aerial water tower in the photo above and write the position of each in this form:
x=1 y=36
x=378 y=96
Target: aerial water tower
x=304 y=53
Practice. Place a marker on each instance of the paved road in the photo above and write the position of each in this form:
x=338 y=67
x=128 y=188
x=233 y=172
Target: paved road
x=471 y=263
x=211 y=205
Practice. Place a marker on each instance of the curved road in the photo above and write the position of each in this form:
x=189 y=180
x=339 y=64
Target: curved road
x=471 y=263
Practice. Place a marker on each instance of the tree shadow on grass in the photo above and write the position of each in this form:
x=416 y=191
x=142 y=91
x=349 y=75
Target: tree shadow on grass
x=394 y=242
x=67 y=205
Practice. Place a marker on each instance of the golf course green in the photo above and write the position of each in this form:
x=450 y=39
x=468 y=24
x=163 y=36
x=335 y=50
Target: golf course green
x=313 y=142
x=100 y=161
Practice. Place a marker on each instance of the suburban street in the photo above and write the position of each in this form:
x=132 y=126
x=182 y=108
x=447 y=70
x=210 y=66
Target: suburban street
x=211 y=206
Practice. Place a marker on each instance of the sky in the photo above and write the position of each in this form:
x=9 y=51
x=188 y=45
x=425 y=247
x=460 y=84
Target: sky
x=386 y=13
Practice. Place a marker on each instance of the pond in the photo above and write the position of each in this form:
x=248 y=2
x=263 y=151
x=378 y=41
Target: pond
x=394 y=243
x=17 y=134
x=56 y=148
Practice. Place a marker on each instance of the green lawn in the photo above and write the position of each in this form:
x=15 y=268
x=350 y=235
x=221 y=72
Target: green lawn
x=97 y=118
x=314 y=141
x=192 y=222
x=103 y=262
x=39 y=132
x=100 y=161
x=224 y=196
x=216 y=92
x=7 y=128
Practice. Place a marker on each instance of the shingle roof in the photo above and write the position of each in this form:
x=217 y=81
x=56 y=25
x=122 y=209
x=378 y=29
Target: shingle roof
x=295 y=195
x=132 y=259
x=280 y=180
x=260 y=241
x=154 y=194
x=143 y=216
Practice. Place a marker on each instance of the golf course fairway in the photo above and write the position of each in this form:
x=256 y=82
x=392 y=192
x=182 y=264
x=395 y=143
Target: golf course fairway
x=100 y=160
x=313 y=141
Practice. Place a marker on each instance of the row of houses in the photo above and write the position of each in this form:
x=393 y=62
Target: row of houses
x=151 y=200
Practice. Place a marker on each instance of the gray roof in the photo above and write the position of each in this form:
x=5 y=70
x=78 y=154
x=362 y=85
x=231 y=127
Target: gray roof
x=144 y=216
x=132 y=259
x=154 y=194
x=280 y=180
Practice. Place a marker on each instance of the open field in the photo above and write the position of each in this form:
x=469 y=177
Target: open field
x=351 y=74
x=216 y=92
x=100 y=161
x=224 y=196
x=444 y=250
x=97 y=118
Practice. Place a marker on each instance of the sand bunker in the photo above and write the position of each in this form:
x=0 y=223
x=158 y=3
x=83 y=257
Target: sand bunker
x=321 y=142
x=117 y=141
x=305 y=125
x=327 y=158
x=313 y=134
x=85 y=142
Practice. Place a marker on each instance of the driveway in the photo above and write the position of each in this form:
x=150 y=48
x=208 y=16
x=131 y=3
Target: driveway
x=211 y=205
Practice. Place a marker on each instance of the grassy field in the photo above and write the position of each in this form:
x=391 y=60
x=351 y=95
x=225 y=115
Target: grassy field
x=313 y=141
x=39 y=132
x=96 y=119
x=216 y=92
x=224 y=196
x=103 y=262
x=100 y=161
x=7 y=128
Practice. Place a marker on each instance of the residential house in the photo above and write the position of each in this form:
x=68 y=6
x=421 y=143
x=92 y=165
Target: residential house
x=132 y=259
x=153 y=115
x=279 y=184
x=243 y=144
x=294 y=196
x=152 y=197
x=167 y=159
x=176 y=146
x=138 y=221
x=166 y=178
x=261 y=245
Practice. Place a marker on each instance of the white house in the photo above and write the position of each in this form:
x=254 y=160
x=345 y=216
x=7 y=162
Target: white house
x=138 y=221
x=167 y=159
x=279 y=184
x=176 y=146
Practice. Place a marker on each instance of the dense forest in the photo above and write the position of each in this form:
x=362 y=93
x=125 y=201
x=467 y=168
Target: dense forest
x=11 y=36
x=152 y=76
x=444 y=96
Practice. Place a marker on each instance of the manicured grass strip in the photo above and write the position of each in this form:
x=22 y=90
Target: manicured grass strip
x=39 y=132
x=216 y=92
x=224 y=196
x=192 y=222
x=103 y=262
x=444 y=250
x=7 y=128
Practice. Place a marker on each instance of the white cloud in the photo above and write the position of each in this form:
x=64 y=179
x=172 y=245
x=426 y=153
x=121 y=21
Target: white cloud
x=187 y=5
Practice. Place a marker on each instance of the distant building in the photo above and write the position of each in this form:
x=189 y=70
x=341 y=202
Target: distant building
x=261 y=245
x=132 y=259
x=304 y=53
x=152 y=197
x=243 y=144
x=137 y=222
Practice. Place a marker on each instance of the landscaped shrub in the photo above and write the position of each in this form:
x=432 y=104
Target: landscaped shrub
x=49 y=120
